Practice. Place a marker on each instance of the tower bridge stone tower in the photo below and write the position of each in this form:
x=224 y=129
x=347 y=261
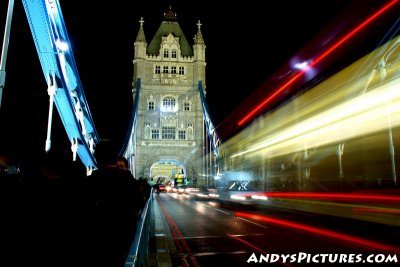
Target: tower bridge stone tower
x=170 y=131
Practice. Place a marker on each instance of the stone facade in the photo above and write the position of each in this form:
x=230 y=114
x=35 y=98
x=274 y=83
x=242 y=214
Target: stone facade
x=170 y=124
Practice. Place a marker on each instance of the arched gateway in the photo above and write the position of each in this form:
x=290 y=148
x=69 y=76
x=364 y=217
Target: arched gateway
x=168 y=172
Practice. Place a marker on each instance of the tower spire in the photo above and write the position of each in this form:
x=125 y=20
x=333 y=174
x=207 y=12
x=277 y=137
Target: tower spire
x=198 y=38
x=140 y=36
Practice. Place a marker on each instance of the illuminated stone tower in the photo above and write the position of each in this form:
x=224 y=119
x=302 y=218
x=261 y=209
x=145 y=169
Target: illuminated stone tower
x=169 y=136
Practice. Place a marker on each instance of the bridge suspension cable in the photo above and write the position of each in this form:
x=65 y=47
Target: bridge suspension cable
x=128 y=149
x=211 y=130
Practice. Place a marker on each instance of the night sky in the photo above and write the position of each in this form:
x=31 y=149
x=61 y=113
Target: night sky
x=246 y=43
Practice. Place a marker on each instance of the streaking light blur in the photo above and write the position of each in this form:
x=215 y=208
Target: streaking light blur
x=316 y=61
x=338 y=109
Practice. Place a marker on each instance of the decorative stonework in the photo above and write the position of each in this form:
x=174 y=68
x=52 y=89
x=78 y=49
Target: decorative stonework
x=168 y=81
x=171 y=143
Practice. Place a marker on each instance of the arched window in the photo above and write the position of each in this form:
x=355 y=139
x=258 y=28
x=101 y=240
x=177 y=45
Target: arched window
x=168 y=104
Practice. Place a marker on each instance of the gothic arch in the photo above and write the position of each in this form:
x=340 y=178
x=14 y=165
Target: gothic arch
x=158 y=159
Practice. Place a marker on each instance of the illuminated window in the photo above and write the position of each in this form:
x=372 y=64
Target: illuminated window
x=168 y=132
x=166 y=53
x=168 y=104
x=181 y=70
x=157 y=70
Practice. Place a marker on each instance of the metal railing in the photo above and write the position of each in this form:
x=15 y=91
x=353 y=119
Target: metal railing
x=140 y=246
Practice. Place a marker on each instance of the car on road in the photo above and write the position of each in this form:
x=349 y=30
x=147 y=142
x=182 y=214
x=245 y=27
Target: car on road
x=181 y=189
x=162 y=188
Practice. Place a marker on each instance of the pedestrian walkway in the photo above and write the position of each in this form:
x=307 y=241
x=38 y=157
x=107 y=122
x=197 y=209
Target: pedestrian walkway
x=158 y=248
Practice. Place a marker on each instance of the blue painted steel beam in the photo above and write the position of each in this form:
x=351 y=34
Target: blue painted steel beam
x=211 y=131
x=59 y=69
x=128 y=149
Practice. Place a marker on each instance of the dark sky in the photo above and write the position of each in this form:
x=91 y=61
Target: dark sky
x=246 y=43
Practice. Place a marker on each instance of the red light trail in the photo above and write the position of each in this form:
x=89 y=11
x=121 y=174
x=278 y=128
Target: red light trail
x=334 y=196
x=320 y=231
x=317 y=60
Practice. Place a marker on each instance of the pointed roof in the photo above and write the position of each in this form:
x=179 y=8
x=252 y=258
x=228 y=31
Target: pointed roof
x=198 y=38
x=169 y=25
x=140 y=36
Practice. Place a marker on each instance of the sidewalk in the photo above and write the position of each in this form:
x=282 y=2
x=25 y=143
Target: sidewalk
x=158 y=247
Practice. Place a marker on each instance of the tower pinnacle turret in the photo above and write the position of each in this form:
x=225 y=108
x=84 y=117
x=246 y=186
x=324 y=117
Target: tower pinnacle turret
x=198 y=38
x=140 y=36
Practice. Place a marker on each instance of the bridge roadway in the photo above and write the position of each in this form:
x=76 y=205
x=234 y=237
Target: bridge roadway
x=198 y=231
